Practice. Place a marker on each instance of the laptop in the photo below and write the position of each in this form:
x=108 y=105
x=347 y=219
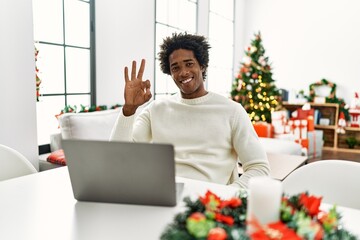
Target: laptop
x=122 y=172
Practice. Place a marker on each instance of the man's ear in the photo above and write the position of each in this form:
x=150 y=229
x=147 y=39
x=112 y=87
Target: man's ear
x=202 y=68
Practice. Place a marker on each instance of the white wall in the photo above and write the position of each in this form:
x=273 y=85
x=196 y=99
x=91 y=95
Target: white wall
x=125 y=31
x=305 y=40
x=309 y=40
x=17 y=63
x=239 y=42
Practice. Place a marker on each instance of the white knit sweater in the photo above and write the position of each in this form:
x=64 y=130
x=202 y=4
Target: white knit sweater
x=209 y=134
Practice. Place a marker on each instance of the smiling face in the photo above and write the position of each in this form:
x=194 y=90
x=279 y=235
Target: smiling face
x=187 y=73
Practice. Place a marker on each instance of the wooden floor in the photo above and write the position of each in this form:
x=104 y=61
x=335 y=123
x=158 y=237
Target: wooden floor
x=330 y=154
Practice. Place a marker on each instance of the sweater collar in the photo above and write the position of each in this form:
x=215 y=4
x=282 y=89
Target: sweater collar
x=195 y=101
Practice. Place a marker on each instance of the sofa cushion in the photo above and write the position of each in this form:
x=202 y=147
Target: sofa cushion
x=92 y=125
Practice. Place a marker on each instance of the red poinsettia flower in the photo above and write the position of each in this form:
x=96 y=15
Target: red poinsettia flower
x=211 y=201
x=217 y=234
x=225 y=219
x=311 y=203
x=233 y=203
x=277 y=230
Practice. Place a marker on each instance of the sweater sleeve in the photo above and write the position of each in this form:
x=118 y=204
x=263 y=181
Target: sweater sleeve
x=122 y=130
x=251 y=153
x=132 y=128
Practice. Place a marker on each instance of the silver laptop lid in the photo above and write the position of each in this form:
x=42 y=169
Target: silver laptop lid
x=121 y=172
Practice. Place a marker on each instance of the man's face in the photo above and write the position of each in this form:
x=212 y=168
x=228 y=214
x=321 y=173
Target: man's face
x=187 y=73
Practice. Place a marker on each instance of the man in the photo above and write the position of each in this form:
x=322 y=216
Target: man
x=210 y=133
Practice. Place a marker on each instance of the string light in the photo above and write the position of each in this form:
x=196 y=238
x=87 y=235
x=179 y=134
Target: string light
x=258 y=95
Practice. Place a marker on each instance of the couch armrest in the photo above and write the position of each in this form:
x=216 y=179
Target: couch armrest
x=55 y=142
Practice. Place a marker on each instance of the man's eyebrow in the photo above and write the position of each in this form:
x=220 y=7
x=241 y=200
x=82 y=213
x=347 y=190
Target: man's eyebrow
x=186 y=60
x=173 y=64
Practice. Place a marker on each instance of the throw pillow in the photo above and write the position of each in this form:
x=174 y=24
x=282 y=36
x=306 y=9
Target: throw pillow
x=57 y=157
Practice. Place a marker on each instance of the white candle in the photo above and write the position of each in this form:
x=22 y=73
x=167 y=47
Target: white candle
x=264 y=200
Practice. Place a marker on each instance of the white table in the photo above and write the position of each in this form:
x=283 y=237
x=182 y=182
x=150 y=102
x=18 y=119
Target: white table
x=281 y=165
x=41 y=206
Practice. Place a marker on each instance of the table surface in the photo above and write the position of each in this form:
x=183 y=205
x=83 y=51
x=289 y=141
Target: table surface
x=281 y=165
x=42 y=206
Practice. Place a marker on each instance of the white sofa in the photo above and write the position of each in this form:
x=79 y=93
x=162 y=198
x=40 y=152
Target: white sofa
x=98 y=126
x=92 y=126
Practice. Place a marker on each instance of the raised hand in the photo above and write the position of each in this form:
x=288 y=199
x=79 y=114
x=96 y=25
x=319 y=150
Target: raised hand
x=137 y=92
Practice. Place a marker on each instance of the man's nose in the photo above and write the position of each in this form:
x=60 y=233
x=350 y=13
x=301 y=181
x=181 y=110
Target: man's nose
x=184 y=72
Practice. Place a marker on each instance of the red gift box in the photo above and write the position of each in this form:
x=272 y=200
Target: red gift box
x=264 y=129
x=304 y=114
x=303 y=142
x=308 y=115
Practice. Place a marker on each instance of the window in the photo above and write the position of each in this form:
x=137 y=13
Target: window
x=221 y=38
x=64 y=36
x=169 y=19
x=218 y=18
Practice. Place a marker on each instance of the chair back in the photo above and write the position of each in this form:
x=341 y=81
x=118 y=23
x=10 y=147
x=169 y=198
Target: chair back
x=13 y=164
x=337 y=181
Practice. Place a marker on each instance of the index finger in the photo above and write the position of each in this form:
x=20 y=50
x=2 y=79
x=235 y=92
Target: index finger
x=141 y=70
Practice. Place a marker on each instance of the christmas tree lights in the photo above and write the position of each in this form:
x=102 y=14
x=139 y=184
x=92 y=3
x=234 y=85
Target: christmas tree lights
x=254 y=86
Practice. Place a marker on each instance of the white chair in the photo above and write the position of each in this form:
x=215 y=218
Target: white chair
x=337 y=181
x=13 y=164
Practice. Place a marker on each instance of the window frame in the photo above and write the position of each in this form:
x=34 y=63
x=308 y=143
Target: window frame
x=45 y=148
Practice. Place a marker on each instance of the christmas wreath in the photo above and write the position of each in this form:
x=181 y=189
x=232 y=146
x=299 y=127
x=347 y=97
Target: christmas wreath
x=322 y=82
x=38 y=80
x=331 y=98
x=212 y=218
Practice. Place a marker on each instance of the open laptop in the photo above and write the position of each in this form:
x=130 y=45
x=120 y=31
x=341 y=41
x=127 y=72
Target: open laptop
x=122 y=172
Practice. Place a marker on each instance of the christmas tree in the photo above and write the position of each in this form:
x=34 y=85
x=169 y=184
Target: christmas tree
x=254 y=86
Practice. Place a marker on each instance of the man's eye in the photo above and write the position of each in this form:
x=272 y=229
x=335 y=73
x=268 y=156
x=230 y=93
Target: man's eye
x=190 y=64
x=174 y=69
